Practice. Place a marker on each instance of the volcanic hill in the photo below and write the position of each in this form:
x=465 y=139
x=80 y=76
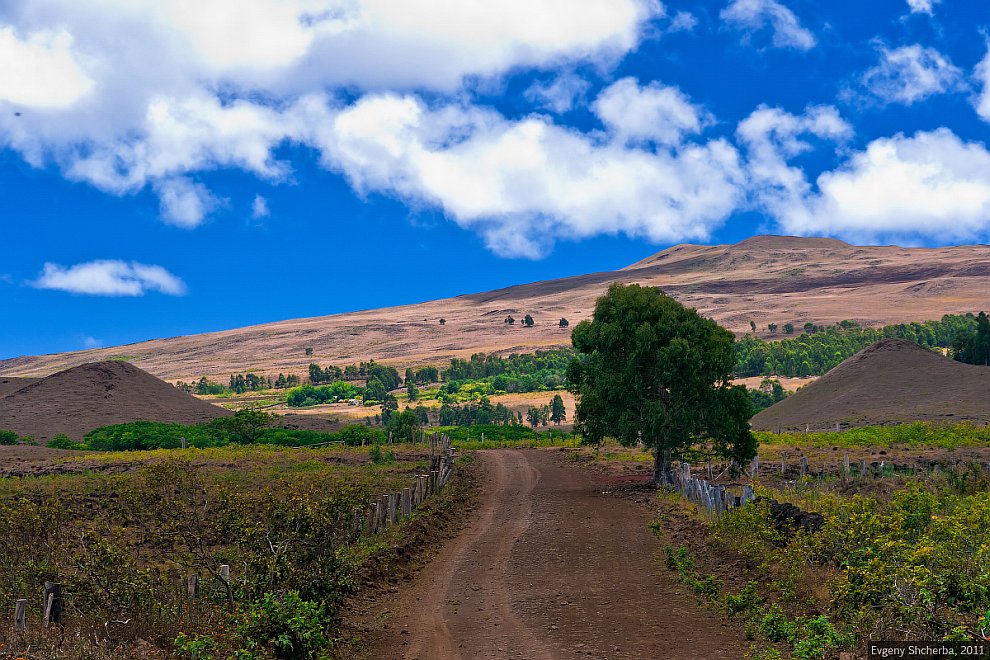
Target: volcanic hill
x=764 y=279
x=86 y=397
x=892 y=381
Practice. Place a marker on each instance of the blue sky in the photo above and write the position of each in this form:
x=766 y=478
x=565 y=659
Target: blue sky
x=170 y=167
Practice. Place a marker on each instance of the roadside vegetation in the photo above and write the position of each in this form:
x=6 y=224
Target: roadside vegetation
x=122 y=543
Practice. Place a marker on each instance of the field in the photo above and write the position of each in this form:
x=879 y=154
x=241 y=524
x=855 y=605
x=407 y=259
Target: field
x=903 y=554
x=123 y=532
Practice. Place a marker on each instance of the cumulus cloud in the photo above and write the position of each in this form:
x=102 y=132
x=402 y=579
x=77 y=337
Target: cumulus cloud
x=40 y=71
x=922 y=6
x=654 y=112
x=126 y=94
x=259 y=208
x=912 y=73
x=754 y=15
x=183 y=202
x=522 y=183
x=772 y=137
x=559 y=94
x=929 y=186
x=109 y=278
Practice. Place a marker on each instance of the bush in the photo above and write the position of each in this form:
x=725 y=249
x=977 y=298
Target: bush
x=286 y=626
x=62 y=441
x=8 y=438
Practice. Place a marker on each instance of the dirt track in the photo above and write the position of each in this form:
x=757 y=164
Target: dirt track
x=554 y=565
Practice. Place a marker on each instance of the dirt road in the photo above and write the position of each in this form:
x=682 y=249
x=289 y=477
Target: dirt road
x=553 y=566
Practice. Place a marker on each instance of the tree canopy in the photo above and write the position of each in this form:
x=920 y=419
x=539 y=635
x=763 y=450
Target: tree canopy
x=648 y=369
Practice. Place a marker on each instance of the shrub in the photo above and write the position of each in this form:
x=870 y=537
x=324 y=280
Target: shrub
x=775 y=626
x=8 y=438
x=62 y=441
x=286 y=626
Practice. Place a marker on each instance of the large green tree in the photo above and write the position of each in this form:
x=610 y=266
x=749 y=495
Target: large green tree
x=648 y=369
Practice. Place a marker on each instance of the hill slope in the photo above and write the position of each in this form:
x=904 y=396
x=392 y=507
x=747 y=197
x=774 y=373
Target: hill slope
x=891 y=381
x=83 y=398
x=762 y=279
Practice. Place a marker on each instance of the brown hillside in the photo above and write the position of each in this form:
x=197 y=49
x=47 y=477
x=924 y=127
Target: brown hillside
x=10 y=384
x=763 y=279
x=889 y=382
x=83 y=398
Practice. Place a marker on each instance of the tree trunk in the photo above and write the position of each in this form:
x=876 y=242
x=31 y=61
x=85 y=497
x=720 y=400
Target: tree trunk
x=663 y=474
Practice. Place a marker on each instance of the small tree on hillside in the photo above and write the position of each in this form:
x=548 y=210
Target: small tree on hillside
x=564 y=323
x=412 y=390
x=809 y=327
x=558 y=413
x=309 y=351
x=528 y=321
x=789 y=328
x=510 y=320
x=650 y=369
x=534 y=416
x=443 y=321
x=752 y=326
x=772 y=327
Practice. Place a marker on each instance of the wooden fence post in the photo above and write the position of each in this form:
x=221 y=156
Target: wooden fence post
x=783 y=464
x=53 y=603
x=845 y=465
x=192 y=586
x=225 y=572
x=755 y=467
x=804 y=465
x=406 y=502
x=20 y=615
x=862 y=468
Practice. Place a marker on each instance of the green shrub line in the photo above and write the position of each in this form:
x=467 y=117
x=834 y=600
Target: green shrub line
x=916 y=434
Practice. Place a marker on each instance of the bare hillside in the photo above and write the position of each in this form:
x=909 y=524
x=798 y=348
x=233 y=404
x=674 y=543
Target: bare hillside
x=889 y=382
x=83 y=398
x=762 y=279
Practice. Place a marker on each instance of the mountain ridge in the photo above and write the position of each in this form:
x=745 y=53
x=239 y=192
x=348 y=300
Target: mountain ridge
x=763 y=279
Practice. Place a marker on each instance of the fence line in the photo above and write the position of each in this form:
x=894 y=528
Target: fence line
x=386 y=510
x=716 y=498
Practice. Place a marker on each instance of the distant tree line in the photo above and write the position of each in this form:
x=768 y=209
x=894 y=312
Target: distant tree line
x=821 y=347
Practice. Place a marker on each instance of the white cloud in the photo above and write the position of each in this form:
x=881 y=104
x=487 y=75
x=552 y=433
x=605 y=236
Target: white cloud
x=682 y=21
x=772 y=137
x=982 y=100
x=558 y=95
x=109 y=278
x=912 y=73
x=183 y=202
x=91 y=342
x=922 y=6
x=523 y=183
x=259 y=208
x=754 y=15
x=654 y=112
x=930 y=186
x=41 y=70
x=148 y=92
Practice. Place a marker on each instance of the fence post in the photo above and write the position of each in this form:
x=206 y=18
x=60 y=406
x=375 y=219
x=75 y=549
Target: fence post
x=192 y=586
x=845 y=465
x=225 y=573
x=783 y=464
x=748 y=494
x=804 y=465
x=862 y=468
x=20 y=615
x=406 y=502
x=184 y=442
x=53 y=603
x=755 y=467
